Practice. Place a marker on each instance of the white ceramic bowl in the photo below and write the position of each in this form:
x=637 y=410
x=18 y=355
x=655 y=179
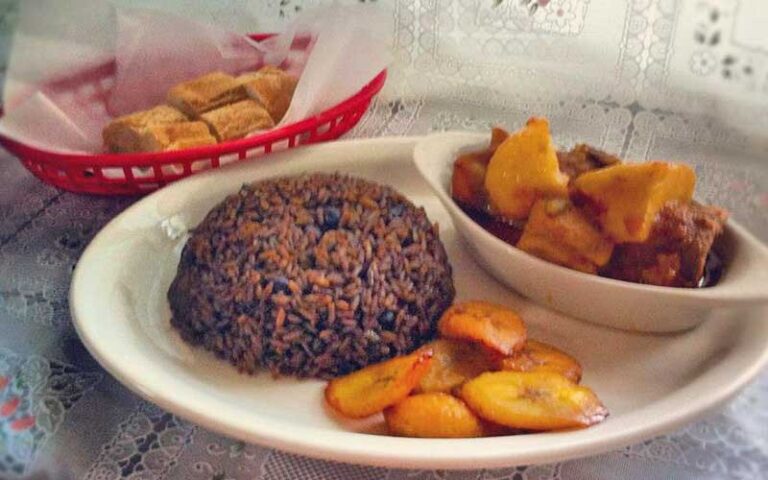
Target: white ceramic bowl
x=615 y=303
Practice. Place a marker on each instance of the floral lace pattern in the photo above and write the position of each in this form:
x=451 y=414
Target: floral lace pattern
x=146 y=446
x=283 y=466
x=211 y=457
x=45 y=247
x=720 y=53
x=35 y=395
x=723 y=444
x=682 y=79
x=536 y=472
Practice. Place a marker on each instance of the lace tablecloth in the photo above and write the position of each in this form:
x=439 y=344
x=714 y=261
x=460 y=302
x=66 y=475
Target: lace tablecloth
x=643 y=78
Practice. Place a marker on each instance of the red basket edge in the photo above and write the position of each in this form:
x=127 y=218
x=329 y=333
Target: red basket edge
x=149 y=159
x=43 y=164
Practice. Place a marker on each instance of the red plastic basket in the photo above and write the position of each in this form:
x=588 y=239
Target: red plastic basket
x=140 y=173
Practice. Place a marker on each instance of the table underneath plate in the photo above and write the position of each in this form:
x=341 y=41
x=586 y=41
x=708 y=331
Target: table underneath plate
x=62 y=416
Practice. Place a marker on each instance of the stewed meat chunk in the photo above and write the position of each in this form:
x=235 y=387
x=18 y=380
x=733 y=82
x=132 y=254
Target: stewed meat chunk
x=676 y=251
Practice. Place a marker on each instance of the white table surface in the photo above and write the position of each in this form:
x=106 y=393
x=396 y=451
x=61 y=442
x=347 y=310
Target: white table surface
x=643 y=78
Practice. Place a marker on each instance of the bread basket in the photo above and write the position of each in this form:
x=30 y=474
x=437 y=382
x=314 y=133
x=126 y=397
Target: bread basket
x=140 y=173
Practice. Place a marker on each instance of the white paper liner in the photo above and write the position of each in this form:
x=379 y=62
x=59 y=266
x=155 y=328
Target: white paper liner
x=335 y=51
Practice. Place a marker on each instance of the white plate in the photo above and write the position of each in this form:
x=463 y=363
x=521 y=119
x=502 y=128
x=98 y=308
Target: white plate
x=651 y=384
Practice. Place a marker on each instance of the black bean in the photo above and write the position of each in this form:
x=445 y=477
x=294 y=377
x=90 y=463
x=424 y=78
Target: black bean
x=387 y=320
x=280 y=285
x=331 y=218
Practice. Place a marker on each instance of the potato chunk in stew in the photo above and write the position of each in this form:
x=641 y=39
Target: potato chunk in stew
x=524 y=169
x=626 y=198
x=558 y=232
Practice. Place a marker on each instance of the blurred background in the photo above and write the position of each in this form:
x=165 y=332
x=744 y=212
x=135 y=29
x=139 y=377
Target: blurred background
x=665 y=79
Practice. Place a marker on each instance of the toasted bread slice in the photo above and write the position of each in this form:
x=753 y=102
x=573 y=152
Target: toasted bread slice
x=237 y=120
x=271 y=87
x=205 y=93
x=175 y=136
x=124 y=133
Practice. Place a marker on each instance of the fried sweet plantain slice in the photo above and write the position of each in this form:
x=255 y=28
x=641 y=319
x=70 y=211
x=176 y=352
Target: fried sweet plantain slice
x=375 y=387
x=453 y=363
x=540 y=357
x=532 y=401
x=494 y=326
x=433 y=415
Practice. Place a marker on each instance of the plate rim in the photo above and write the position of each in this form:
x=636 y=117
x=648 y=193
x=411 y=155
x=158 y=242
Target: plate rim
x=325 y=444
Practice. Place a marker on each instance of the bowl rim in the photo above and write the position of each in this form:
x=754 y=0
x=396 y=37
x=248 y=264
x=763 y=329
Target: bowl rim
x=717 y=294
